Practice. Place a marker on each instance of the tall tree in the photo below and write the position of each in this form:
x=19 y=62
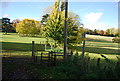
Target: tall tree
x=44 y=19
x=55 y=24
x=5 y=24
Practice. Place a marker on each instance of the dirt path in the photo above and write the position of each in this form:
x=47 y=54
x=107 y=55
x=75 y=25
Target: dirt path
x=15 y=68
x=20 y=73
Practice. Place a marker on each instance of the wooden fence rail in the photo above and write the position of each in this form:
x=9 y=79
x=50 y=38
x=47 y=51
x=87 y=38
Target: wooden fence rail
x=51 y=57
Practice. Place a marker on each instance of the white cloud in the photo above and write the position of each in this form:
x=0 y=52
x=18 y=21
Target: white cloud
x=93 y=17
x=5 y=15
x=100 y=26
x=93 y=21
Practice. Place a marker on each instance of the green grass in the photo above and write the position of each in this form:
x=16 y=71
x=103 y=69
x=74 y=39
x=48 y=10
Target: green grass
x=101 y=45
x=95 y=45
x=12 y=45
x=13 y=37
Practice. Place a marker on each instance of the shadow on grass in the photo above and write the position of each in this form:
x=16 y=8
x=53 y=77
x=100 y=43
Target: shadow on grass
x=13 y=46
x=98 y=40
x=97 y=50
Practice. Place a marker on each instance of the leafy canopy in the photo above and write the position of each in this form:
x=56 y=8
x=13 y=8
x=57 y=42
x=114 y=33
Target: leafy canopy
x=28 y=27
x=55 y=25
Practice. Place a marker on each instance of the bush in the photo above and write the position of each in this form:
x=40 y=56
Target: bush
x=116 y=40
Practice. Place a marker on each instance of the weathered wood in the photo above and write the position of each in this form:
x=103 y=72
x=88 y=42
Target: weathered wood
x=83 y=48
x=49 y=60
x=45 y=46
x=98 y=62
x=88 y=63
x=49 y=57
x=33 y=49
x=55 y=59
x=35 y=59
x=65 y=30
x=117 y=65
x=71 y=53
x=41 y=58
x=76 y=54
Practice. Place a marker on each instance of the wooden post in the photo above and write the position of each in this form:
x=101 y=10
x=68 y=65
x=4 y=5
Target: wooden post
x=36 y=59
x=117 y=65
x=52 y=57
x=76 y=53
x=49 y=57
x=65 y=30
x=33 y=49
x=98 y=62
x=88 y=63
x=45 y=46
x=49 y=60
x=83 y=48
x=71 y=53
x=41 y=57
x=55 y=59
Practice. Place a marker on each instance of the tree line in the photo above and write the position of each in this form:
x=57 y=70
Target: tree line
x=111 y=32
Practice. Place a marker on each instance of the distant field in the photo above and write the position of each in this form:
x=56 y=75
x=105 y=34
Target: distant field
x=15 y=38
x=95 y=45
x=98 y=37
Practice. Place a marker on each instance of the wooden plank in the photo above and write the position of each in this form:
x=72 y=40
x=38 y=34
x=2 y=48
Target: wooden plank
x=41 y=58
x=65 y=30
x=83 y=48
x=32 y=48
x=98 y=62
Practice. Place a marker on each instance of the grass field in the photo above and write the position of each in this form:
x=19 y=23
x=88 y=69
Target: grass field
x=95 y=45
x=13 y=45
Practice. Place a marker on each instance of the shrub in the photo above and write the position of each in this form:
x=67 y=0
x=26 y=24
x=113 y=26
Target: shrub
x=116 y=40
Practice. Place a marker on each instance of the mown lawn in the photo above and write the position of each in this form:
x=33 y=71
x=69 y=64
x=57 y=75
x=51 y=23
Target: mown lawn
x=95 y=45
x=12 y=45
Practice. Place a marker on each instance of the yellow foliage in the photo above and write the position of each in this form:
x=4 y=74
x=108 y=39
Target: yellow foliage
x=28 y=27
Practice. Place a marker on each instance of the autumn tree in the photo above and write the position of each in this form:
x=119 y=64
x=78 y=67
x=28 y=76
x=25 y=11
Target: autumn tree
x=107 y=32
x=101 y=32
x=14 y=23
x=28 y=27
x=112 y=32
x=55 y=24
